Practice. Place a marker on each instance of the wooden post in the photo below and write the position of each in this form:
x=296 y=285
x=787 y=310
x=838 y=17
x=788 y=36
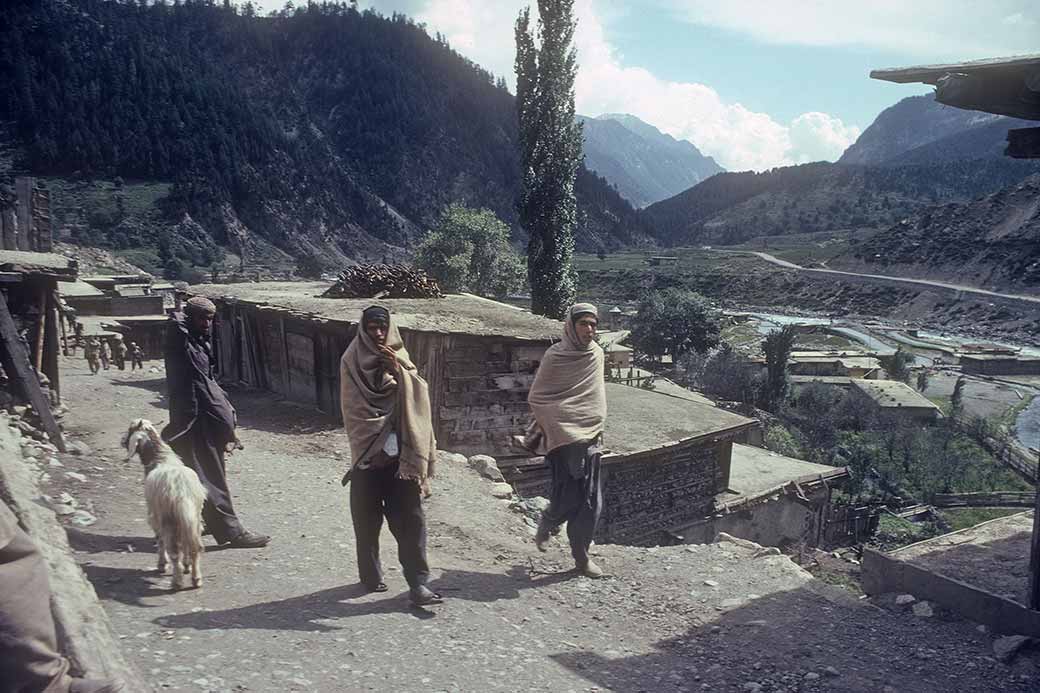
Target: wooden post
x=1034 y=559
x=16 y=363
x=40 y=326
x=61 y=323
x=50 y=343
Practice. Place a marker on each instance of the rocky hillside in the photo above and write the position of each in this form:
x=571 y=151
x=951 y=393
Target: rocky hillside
x=323 y=131
x=990 y=242
x=730 y=208
x=920 y=130
x=643 y=163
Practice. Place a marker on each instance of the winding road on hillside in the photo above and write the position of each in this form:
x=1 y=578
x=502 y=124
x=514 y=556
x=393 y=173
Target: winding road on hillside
x=888 y=279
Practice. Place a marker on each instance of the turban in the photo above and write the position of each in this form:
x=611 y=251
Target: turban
x=199 y=305
x=375 y=314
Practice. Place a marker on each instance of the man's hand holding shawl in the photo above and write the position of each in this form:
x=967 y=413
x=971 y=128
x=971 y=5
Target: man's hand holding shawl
x=568 y=397
x=375 y=403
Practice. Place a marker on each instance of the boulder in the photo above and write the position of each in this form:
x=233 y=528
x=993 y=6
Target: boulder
x=487 y=467
x=923 y=609
x=78 y=448
x=453 y=458
x=1005 y=648
x=501 y=490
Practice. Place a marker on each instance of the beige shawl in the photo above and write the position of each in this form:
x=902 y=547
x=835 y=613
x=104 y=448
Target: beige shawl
x=568 y=398
x=375 y=402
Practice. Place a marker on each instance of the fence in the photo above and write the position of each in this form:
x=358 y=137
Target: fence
x=999 y=499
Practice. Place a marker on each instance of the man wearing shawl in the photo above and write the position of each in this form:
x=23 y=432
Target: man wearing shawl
x=569 y=403
x=386 y=412
x=202 y=420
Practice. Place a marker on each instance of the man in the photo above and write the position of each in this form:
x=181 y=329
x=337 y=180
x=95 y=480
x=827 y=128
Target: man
x=136 y=357
x=119 y=353
x=29 y=659
x=202 y=421
x=90 y=353
x=386 y=412
x=104 y=353
x=569 y=403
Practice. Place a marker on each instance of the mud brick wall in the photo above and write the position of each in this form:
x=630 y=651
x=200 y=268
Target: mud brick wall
x=482 y=400
x=648 y=493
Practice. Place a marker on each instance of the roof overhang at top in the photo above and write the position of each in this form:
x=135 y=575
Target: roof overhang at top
x=15 y=264
x=1005 y=86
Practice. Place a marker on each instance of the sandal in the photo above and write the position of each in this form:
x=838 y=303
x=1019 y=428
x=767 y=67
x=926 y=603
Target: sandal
x=424 y=596
x=378 y=587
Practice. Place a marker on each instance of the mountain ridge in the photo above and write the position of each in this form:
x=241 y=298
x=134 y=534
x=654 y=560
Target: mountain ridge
x=323 y=131
x=643 y=163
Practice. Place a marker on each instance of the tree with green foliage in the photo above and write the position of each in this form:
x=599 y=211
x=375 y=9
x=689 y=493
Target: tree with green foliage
x=897 y=365
x=957 y=398
x=777 y=349
x=469 y=251
x=723 y=373
x=675 y=321
x=550 y=152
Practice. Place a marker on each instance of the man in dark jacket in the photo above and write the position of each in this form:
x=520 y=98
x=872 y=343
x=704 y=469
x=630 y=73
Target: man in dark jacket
x=202 y=421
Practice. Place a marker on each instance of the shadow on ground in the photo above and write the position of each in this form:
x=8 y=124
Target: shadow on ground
x=811 y=638
x=307 y=612
x=127 y=585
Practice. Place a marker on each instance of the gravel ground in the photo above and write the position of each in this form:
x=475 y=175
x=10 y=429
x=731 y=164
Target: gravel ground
x=290 y=617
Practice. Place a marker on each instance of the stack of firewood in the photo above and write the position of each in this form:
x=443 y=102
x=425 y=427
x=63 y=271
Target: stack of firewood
x=383 y=281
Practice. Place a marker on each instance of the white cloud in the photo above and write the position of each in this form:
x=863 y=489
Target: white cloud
x=953 y=29
x=737 y=137
x=818 y=136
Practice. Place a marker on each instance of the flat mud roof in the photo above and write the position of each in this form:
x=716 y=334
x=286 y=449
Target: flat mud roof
x=453 y=314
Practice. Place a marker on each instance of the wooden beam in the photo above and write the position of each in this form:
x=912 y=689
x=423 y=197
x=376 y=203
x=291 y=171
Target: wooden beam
x=1034 y=556
x=15 y=360
x=51 y=347
x=40 y=326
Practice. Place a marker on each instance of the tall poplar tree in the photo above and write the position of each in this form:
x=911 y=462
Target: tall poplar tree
x=550 y=152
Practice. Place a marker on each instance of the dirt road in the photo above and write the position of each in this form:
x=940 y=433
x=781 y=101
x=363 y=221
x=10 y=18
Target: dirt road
x=290 y=617
x=1031 y=301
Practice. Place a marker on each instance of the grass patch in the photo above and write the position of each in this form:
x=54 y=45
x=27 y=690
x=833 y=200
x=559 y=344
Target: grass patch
x=894 y=532
x=962 y=518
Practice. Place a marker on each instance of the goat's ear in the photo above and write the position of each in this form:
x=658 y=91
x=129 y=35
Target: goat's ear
x=139 y=445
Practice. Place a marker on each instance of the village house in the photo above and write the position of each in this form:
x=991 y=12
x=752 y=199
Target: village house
x=999 y=364
x=680 y=470
x=897 y=402
x=845 y=364
x=479 y=356
x=776 y=500
x=31 y=329
x=115 y=295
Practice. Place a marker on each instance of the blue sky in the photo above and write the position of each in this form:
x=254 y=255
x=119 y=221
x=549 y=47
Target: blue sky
x=754 y=83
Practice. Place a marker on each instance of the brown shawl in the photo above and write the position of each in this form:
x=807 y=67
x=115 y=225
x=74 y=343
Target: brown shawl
x=375 y=402
x=568 y=398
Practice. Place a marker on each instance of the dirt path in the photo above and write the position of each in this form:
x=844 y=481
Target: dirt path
x=291 y=617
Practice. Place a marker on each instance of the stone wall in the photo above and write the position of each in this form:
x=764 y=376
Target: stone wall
x=484 y=390
x=782 y=520
x=646 y=494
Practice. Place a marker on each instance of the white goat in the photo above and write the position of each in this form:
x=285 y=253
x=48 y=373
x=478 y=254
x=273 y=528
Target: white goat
x=174 y=496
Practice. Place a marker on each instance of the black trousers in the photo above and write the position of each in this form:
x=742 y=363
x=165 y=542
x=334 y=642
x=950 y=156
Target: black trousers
x=200 y=452
x=577 y=496
x=376 y=493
